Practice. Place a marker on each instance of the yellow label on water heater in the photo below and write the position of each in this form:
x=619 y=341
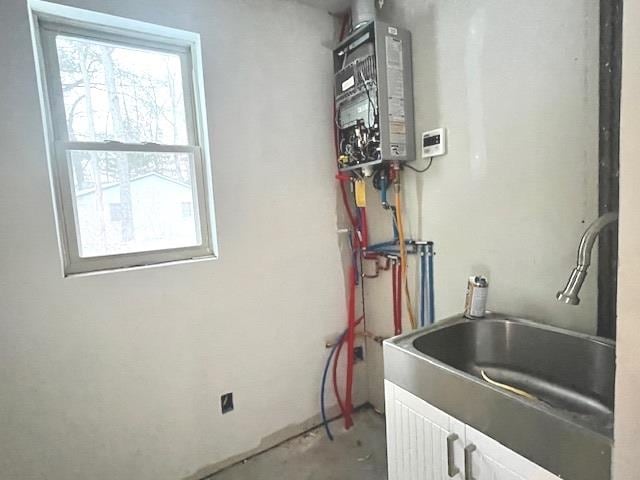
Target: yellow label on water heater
x=361 y=193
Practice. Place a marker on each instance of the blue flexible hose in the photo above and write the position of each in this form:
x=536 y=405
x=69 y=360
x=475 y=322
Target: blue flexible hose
x=384 y=245
x=325 y=422
x=381 y=245
x=432 y=307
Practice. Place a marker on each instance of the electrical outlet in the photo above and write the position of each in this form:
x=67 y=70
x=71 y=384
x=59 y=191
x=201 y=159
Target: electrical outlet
x=226 y=403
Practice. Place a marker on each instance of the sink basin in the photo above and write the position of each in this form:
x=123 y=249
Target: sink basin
x=571 y=373
x=565 y=424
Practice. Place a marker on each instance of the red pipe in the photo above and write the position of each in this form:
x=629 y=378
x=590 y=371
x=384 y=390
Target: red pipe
x=364 y=227
x=336 y=358
x=336 y=390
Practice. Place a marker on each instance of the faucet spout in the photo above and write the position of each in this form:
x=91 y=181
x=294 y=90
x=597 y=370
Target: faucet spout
x=569 y=294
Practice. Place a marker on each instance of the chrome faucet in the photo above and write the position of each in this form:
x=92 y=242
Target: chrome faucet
x=569 y=294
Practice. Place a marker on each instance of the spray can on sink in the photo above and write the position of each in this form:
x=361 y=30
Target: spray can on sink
x=475 y=303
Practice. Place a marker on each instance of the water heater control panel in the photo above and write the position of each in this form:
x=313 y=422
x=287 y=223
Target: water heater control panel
x=434 y=143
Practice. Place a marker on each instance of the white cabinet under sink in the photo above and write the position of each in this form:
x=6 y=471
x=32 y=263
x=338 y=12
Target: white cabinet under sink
x=418 y=438
x=424 y=443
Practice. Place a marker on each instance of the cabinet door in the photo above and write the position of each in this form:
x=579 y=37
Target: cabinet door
x=423 y=443
x=491 y=460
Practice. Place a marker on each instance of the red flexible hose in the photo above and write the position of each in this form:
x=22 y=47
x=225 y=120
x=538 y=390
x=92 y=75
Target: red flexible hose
x=336 y=358
x=336 y=390
x=364 y=228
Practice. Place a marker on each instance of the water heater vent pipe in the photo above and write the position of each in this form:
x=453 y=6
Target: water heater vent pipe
x=362 y=12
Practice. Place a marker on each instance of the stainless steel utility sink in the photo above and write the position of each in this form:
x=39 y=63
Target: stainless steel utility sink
x=567 y=427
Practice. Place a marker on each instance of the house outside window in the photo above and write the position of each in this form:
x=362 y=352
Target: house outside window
x=115 y=210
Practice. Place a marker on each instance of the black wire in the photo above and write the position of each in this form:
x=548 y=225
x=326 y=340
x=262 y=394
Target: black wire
x=422 y=170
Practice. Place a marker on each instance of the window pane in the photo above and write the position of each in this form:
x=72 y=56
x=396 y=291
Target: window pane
x=113 y=92
x=133 y=201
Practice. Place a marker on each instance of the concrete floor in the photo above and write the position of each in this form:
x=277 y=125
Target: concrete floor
x=359 y=453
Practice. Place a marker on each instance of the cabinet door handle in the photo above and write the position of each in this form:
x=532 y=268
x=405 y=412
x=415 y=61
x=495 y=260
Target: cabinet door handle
x=452 y=470
x=468 y=468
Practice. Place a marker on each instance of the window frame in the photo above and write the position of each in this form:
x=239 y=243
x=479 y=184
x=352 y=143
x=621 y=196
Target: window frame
x=50 y=20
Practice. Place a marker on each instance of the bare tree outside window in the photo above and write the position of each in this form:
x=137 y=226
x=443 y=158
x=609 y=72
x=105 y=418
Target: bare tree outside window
x=120 y=94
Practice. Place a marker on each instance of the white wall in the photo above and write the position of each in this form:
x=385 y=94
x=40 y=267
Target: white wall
x=516 y=85
x=118 y=376
x=626 y=462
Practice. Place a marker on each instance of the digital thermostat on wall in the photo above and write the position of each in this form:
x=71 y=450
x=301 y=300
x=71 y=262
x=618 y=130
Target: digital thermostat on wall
x=434 y=143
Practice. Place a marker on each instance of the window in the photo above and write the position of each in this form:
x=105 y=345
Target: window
x=124 y=114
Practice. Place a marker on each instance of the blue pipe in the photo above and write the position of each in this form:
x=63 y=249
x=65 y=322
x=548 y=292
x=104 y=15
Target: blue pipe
x=393 y=252
x=376 y=246
x=381 y=245
x=432 y=308
x=325 y=422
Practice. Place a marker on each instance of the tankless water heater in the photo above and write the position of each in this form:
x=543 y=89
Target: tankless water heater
x=374 y=96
